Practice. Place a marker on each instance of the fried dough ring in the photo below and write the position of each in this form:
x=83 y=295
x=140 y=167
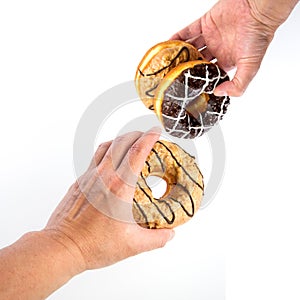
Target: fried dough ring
x=157 y=62
x=184 y=188
x=184 y=101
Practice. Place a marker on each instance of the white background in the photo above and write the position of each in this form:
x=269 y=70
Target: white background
x=56 y=57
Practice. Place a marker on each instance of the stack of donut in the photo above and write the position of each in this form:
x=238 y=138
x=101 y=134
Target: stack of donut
x=175 y=81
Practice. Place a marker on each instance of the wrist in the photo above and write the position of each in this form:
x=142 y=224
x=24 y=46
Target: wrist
x=67 y=249
x=272 y=13
x=43 y=259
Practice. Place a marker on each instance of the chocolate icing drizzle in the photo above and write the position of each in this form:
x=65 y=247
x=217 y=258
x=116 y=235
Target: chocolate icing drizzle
x=180 y=165
x=151 y=91
x=141 y=211
x=159 y=159
x=168 y=199
x=182 y=50
x=188 y=86
x=157 y=207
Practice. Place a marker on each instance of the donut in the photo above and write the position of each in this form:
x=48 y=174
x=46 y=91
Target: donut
x=176 y=81
x=157 y=62
x=183 y=193
x=184 y=101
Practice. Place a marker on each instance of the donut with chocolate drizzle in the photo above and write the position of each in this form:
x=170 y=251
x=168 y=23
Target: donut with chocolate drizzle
x=157 y=62
x=184 y=188
x=185 y=102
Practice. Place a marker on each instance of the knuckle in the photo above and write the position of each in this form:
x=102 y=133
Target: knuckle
x=104 y=145
x=239 y=87
x=102 y=148
x=105 y=167
x=238 y=93
x=124 y=138
x=99 y=153
x=120 y=139
x=136 y=149
x=114 y=182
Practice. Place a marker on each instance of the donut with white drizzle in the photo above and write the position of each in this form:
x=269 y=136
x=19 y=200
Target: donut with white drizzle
x=185 y=102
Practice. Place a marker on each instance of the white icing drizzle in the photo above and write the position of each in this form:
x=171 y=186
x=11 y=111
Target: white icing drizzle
x=221 y=113
x=188 y=97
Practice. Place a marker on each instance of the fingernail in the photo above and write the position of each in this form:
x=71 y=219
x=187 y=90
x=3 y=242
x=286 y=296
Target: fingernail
x=155 y=129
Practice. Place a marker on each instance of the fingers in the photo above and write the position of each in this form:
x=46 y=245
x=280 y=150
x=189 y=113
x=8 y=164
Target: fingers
x=120 y=147
x=150 y=239
x=136 y=156
x=119 y=168
x=236 y=87
x=193 y=34
x=207 y=54
x=191 y=31
x=197 y=41
x=99 y=154
x=117 y=149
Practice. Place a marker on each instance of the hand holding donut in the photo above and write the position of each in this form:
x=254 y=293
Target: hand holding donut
x=78 y=236
x=178 y=83
x=237 y=33
x=93 y=203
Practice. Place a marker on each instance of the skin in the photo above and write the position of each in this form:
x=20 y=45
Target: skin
x=237 y=33
x=89 y=229
x=78 y=236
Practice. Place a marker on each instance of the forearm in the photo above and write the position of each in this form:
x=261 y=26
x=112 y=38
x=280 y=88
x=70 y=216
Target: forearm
x=272 y=12
x=35 y=266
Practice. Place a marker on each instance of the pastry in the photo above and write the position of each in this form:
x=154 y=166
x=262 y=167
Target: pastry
x=184 y=101
x=157 y=62
x=184 y=188
x=176 y=81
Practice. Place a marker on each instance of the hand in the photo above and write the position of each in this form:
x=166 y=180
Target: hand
x=237 y=33
x=92 y=227
x=90 y=213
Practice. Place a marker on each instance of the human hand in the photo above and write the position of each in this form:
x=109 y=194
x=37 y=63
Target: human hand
x=96 y=213
x=92 y=227
x=237 y=33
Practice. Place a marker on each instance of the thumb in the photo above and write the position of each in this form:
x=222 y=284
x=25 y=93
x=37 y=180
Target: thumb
x=155 y=238
x=236 y=87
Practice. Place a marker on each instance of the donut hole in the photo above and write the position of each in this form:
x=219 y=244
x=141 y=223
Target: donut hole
x=157 y=185
x=198 y=105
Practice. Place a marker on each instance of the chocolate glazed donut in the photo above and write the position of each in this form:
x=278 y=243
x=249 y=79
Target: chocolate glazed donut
x=157 y=62
x=184 y=100
x=184 y=188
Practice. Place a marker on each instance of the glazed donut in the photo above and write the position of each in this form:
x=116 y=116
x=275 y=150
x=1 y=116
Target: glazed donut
x=184 y=100
x=157 y=62
x=176 y=81
x=184 y=188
